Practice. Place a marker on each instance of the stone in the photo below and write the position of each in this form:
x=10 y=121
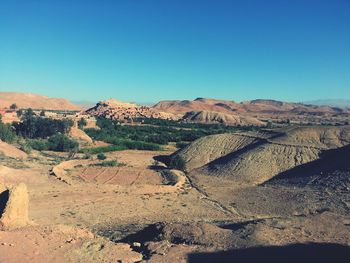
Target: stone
x=14 y=203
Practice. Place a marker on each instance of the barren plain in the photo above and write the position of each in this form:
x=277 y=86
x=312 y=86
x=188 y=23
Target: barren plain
x=172 y=191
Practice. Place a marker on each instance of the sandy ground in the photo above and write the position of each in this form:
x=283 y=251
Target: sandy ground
x=89 y=204
x=77 y=222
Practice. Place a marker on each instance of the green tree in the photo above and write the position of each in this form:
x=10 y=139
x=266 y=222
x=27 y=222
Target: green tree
x=32 y=126
x=101 y=156
x=82 y=123
x=13 y=106
x=7 y=134
x=26 y=127
x=19 y=113
x=269 y=124
x=29 y=112
x=62 y=143
x=178 y=163
x=42 y=113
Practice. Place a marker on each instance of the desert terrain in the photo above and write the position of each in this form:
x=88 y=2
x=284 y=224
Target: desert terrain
x=165 y=189
x=154 y=131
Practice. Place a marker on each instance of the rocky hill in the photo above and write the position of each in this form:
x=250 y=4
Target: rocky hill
x=217 y=117
x=256 y=158
x=35 y=101
x=199 y=104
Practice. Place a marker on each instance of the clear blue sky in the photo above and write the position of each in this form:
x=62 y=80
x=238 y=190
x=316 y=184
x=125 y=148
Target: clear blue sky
x=148 y=50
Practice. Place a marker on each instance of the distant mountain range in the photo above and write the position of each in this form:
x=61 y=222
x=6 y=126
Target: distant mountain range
x=203 y=110
x=35 y=101
x=340 y=103
x=253 y=107
x=252 y=112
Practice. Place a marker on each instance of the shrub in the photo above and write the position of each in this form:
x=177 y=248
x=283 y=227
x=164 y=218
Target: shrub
x=39 y=145
x=139 y=145
x=178 y=163
x=101 y=156
x=269 y=124
x=13 y=106
x=181 y=145
x=112 y=163
x=19 y=113
x=25 y=147
x=6 y=132
x=103 y=149
x=62 y=143
x=58 y=142
x=82 y=123
x=157 y=139
x=108 y=163
x=87 y=156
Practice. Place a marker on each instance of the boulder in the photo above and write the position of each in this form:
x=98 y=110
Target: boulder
x=11 y=151
x=13 y=206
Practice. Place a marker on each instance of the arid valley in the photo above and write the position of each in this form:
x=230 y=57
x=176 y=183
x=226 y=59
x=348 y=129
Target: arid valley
x=181 y=181
x=178 y=131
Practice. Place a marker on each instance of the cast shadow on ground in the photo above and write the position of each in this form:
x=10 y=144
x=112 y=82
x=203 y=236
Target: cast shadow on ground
x=296 y=253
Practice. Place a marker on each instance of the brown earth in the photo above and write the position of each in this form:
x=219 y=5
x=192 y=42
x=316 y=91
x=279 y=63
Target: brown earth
x=11 y=151
x=34 y=101
x=61 y=243
x=91 y=205
x=168 y=216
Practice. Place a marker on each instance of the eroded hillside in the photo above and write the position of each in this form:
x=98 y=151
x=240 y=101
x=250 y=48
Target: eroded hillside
x=254 y=158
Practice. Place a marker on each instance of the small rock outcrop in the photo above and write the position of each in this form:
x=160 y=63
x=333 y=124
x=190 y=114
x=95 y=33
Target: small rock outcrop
x=11 y=151
x=219 y=117
x=13 y=206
